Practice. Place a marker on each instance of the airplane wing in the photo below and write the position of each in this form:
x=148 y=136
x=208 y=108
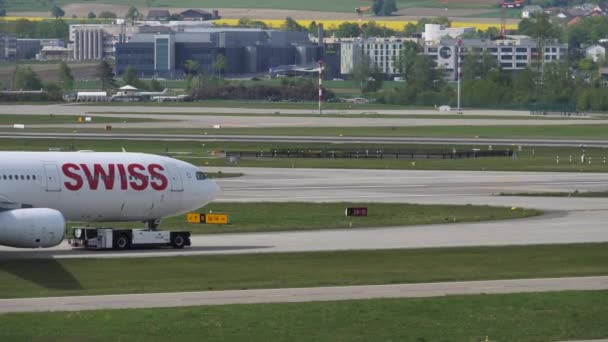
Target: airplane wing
x=7 y=204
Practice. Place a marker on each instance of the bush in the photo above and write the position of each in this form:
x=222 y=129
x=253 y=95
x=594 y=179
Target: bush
x=301 y=92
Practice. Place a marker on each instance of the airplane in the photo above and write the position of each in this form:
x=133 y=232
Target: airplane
x=40 y=191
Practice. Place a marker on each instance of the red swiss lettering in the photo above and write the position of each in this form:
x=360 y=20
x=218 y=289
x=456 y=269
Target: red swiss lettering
x=140 y=183
x=99 y=173
x=76 y=183
x=159 y=182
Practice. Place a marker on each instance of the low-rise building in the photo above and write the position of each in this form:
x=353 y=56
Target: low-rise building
x=527 y=11
x=595 y=52
x=383 y=53
x=8 y=46
x=512 y=52
x=433 y=33
x=199 y=15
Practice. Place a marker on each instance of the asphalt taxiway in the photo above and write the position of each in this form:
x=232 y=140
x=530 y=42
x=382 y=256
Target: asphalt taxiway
x=295 y=295
x=566 y=220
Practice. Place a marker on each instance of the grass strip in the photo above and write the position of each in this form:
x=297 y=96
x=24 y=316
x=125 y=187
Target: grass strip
x=65 y=277
x=293 y=216
x=553 y=316
x=208 y=153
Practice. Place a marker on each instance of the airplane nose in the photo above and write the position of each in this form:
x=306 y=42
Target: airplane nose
x=214 y=189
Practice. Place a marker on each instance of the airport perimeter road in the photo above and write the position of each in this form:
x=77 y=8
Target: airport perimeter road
x=293 y=295
x=304 y=139
x=567 y=220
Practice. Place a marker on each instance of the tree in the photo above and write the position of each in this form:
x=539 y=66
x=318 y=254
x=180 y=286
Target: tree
x=107 y=15
x=313 y=28
x=291 y=25
x=409 y=29
x=132 y=13
x=542 y=30
x=388 y=7
x=406 y=59
x=348 y=30
x=66 y=77
x=377 y=6
x=372 y=29
x=155 y=85
x=219 y=65
x=130 y=77
x=192 y=69
x=106 y=75
x=26 y=79
x=365 y=75
x=91 y=15
x=57 y=12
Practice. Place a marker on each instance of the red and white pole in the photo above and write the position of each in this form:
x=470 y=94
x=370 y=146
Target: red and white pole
x=320 y=86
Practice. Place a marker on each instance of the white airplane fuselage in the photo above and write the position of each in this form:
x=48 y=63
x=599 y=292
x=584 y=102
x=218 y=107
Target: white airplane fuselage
x=101 y=187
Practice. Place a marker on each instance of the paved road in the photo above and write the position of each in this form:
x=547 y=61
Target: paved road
x=567 y=220
x=271 y=120
x=293 y=295
x=75 y=109
x=303 y=139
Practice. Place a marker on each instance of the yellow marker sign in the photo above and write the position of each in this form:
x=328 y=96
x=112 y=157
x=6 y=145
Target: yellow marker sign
x=216 y=218
x=194 y=218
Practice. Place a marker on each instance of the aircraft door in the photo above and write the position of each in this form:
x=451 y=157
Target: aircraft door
x=175 y=178
x=52 y=177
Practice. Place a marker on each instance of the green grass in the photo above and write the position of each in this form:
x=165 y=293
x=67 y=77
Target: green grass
x=10 y=119
x=313 y=5
x=599 y=131
x=507 y=317
x=65 y=277
x=290 y=216
x=531 y=317
x=206 y=154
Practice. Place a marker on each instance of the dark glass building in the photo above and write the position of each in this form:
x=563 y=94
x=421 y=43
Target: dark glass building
x=245 y=51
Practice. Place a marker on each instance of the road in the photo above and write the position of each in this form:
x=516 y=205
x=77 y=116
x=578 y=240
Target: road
x=305 y=139
x=567 y=220
x=295 y=295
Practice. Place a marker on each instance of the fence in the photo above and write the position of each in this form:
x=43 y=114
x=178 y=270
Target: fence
x=369 y=154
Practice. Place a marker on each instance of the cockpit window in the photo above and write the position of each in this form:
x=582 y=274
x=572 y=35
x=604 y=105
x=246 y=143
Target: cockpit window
x=201 y=176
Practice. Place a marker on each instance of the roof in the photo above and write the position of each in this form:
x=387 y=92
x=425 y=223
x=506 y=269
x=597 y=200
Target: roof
x=195 y=11
x=128 y=87
x=158 y=13
x=594 y=46
x=533 y=8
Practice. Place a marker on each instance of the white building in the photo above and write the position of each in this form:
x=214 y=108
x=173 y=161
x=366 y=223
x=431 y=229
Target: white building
x=383 y=53
x=595 y=52
x=527 y=12
x=512 y=53
x=433 y=33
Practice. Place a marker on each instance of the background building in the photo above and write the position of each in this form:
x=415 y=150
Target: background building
x=383 y=53
x=246 y=51
x=8 y=46
x=511 y=53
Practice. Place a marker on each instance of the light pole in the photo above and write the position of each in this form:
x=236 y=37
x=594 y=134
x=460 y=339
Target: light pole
x=459 y=73
x=320 y=86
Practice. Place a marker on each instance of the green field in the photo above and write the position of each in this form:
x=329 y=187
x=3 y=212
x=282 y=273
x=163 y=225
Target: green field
x=205 y=154
x=599 y=131
x=571 y=315
x=533 y=317
x=66 y=277
x=313 y=5
x=291 y=216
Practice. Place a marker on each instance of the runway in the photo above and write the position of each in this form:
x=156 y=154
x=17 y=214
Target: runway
x=296 y=295
x=305 y=139
x=567 y=220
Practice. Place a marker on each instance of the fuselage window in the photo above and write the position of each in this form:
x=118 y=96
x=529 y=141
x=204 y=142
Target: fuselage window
x=4 y=176
x=22 y=177
x=16 y=177
x=34 y=177
x=10 y=177
x=201 y=176
x=27 y=177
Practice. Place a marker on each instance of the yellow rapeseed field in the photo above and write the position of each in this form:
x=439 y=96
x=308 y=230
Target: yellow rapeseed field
x=9 y=18
x=333 y=24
